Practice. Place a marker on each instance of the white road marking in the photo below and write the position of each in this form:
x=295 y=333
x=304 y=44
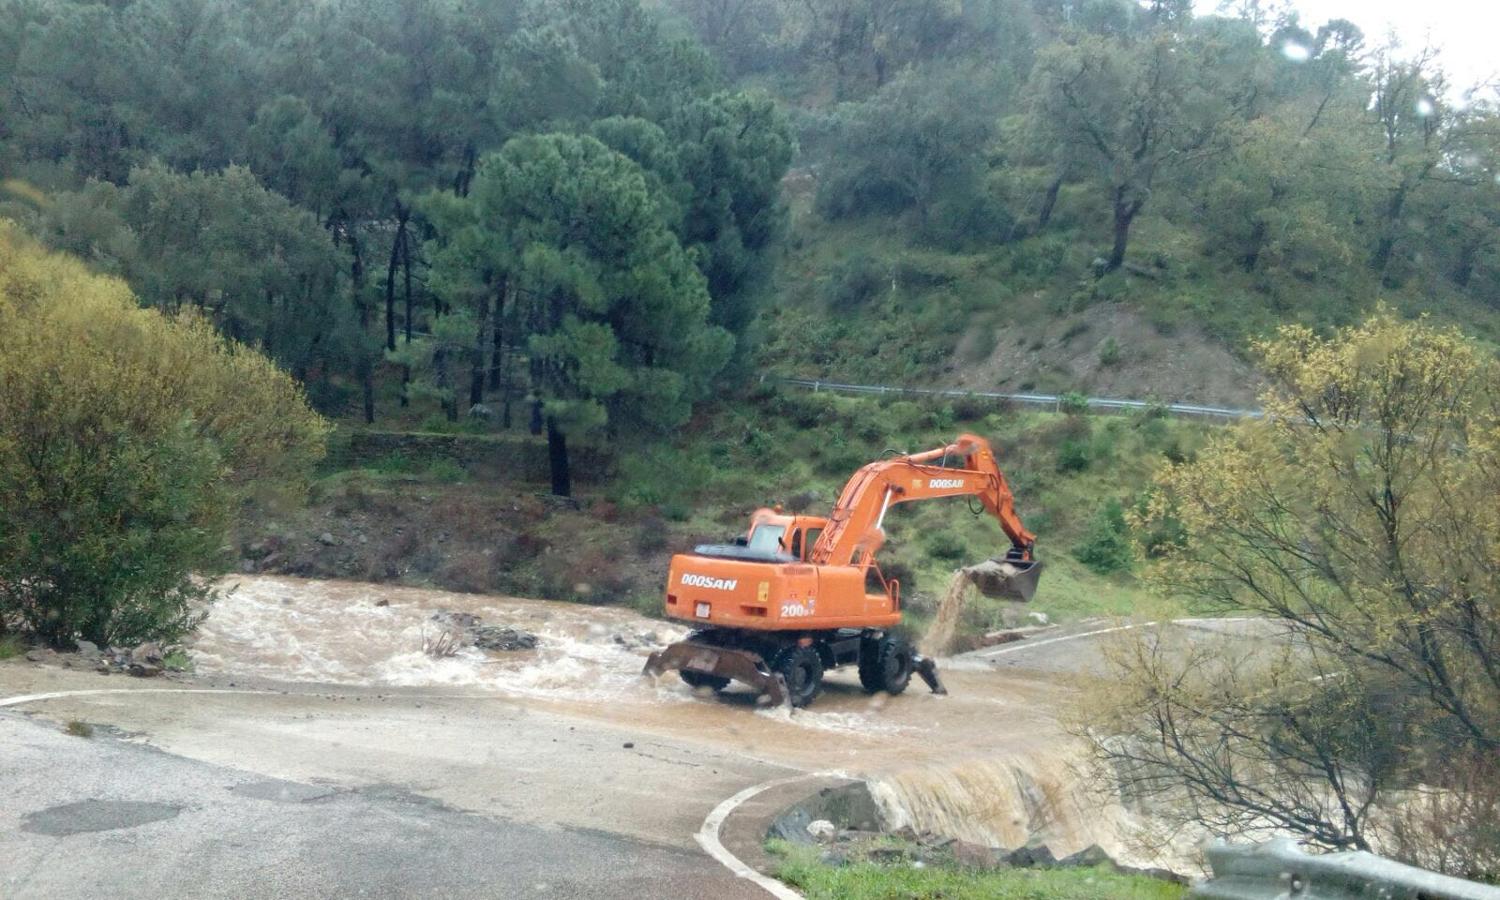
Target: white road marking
x=57 y=695
x=708 y=835
x=1025 y=645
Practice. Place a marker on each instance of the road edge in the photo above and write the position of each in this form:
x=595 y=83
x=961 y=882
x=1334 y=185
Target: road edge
x=747 y=817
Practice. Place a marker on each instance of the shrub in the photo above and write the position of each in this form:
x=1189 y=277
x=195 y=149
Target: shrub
x=1106 y=545
x=1109 y=352
x=852 y=282
x=971 y=408
x=446 y=471
x=1073 y=456
x=944 y=545
x=128 y=438
x=1073 y=403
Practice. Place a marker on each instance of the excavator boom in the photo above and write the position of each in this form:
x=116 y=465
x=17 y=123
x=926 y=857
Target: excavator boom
x=965 y=468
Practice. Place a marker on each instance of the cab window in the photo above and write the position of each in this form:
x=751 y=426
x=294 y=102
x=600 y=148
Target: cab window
x=768 y=538
x=810 y=541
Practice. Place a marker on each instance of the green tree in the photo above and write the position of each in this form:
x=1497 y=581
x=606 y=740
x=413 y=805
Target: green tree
x=1132 y=107
x=263 y=270
x=128 y=438
x=1106 y=545
x=1349 y=515
x=613 y=311
x=919 y=140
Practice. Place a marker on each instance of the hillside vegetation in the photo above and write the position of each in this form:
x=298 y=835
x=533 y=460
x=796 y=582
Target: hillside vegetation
x=590 y=226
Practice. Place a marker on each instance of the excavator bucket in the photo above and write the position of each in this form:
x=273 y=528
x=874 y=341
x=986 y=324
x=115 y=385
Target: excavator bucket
x=1006 y=579
x=720 y=662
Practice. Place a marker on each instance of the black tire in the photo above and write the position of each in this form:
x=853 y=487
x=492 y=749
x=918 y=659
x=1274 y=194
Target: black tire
x=703 y=680
x=885 y=664
x=870 y=677
x=803 y=670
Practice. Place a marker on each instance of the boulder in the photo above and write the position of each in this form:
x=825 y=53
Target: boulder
x=822 y=830
x=1039 y=857
x=88 y=649
x=974 y=856
x=456 y=619
x=327 y=539
x=499 y=637
x=1088 y=857
x=149 y=653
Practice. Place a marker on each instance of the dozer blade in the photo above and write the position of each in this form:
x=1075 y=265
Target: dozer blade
x=737 y=665
x=1006 y=579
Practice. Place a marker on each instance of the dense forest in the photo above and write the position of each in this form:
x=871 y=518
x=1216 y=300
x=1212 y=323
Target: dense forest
x=574 y=215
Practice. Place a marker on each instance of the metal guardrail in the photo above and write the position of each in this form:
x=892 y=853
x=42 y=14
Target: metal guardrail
x=1279 y=870
x=1044 y=401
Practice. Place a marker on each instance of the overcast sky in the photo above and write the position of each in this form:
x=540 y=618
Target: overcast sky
x=1467 y=31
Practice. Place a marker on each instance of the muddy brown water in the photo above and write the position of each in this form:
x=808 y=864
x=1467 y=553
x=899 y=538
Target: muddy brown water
x=988 y=763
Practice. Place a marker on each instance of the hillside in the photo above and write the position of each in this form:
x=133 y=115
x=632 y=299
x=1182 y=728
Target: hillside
x=582 y=232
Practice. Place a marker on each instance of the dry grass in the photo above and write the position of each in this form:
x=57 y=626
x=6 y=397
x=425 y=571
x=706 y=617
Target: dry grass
x=442 y=645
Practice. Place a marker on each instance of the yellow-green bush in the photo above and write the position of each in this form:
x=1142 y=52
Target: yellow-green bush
x=125 y=438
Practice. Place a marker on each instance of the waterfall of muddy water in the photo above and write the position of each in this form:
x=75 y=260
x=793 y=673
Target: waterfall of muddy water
x=938 y=640
x=1013 y=801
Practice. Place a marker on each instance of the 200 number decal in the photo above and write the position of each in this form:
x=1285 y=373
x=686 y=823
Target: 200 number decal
x=794 y=610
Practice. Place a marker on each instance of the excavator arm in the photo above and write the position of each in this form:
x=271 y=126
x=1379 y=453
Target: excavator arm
x=965 y=468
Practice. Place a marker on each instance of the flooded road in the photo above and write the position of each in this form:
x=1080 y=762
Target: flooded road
x=987 y=763
x=326 y=683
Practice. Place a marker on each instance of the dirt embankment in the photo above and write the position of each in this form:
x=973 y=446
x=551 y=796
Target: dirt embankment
x=473 y=536
x=1108 y=350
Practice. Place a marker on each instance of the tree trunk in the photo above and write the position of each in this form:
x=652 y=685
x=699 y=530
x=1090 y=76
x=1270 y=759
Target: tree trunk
x=557 y=457
x=1468 y=257
x=497 y=341
x=1257 y=241
x=1049 y=203
x=1125 y=213
x=1387 y=245
x=390 y=280
x=406 y=274
x=444 y=383
x=476 y=358
x=364 y=369
x=465 y=176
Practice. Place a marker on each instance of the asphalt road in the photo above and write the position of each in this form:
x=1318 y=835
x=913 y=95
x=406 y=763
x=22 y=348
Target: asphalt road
x=109 y=816
x=224 y=786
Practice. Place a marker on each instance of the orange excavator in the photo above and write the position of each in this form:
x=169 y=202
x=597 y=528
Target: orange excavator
x=799 y=595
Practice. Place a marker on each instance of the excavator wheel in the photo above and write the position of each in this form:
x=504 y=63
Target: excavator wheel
x=703 y=680
x=803 y=671
x=885 y=664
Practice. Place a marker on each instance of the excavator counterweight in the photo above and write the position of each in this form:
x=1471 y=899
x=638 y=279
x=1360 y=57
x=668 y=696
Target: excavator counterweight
x=798 y=595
